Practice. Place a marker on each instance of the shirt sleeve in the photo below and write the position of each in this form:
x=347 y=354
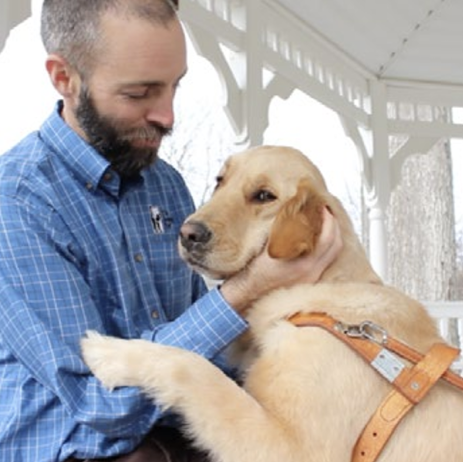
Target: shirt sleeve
x=205 y=328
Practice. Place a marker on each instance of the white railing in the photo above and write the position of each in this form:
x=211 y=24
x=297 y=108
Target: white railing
x=449 y=317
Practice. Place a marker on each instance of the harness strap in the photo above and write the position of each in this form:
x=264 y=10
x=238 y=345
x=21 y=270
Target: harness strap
x=411 y=384
x=413 y=356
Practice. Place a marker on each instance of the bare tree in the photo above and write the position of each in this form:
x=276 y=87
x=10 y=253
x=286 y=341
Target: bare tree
x=459 y=271
x=421 y=227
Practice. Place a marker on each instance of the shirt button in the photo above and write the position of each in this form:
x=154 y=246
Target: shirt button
x=155 y=314
x=107 y=176
x=138 y=257
x=89 y=186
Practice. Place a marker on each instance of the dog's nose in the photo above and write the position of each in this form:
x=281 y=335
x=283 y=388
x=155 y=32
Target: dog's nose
x=194 y=234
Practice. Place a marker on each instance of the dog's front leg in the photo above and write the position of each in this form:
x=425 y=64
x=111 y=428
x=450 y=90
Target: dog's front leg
x=167 y=374
x=220 y=416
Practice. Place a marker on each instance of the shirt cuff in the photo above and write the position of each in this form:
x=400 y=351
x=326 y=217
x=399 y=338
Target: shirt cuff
x=207 y=327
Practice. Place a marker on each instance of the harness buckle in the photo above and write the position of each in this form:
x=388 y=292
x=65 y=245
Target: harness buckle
x=367 y=330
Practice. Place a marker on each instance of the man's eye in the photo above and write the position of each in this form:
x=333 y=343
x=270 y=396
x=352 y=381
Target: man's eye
x=262 y=196
x=135 y=95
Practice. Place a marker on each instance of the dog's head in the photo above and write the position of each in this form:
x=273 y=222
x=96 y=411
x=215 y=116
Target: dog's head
x=266 y=195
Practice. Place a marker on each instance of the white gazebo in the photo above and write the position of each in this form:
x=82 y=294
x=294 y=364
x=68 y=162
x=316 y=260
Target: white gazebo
x=365 y=59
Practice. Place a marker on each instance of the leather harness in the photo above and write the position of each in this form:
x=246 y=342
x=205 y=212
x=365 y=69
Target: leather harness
x=411 y=384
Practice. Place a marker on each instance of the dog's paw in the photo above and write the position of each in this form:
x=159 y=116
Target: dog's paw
x=110 y=359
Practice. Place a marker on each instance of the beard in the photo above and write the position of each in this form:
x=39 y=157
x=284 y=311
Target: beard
x=114 y=142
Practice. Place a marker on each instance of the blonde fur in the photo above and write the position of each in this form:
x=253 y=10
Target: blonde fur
x=306 y=396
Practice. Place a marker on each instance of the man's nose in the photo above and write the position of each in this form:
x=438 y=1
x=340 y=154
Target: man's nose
x=161 y=112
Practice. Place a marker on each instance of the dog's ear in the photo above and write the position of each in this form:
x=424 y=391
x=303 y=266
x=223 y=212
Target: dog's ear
x=298 y=224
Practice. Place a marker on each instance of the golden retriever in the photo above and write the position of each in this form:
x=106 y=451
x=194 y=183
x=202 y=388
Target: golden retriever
x=306 y=396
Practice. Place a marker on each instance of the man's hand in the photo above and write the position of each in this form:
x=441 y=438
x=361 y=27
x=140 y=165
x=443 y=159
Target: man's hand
x=265 y=273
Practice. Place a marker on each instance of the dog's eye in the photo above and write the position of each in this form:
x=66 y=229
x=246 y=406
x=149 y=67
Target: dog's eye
x=263 y=196
x=218 y=181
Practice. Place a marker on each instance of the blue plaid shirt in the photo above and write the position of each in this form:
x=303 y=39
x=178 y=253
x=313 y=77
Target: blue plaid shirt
x=79 y=250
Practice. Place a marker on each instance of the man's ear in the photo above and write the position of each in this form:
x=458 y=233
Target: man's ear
x=63 y=76
x=298 y=224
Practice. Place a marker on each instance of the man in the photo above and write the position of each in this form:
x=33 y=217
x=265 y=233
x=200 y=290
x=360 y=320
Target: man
x=89 y=218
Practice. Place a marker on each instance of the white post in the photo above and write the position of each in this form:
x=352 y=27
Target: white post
x=378 y=247
x=380 y=180
x=254 y=102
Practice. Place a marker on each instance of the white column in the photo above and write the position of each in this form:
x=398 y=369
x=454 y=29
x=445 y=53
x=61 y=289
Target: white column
x=380 y=181
x=378 y=241
x=254 y=98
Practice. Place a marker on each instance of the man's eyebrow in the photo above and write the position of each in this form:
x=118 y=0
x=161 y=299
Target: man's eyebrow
x=149 y=83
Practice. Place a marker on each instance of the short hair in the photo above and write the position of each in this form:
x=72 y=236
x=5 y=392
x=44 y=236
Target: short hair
x=70 y=28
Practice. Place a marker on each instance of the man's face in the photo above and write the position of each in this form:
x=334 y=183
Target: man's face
x=125 y=107
x=129 y=150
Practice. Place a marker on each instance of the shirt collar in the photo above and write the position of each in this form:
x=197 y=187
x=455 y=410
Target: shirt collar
x=85 y=163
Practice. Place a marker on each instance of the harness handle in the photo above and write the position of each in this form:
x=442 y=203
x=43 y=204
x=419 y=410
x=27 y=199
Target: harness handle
x=411 y=384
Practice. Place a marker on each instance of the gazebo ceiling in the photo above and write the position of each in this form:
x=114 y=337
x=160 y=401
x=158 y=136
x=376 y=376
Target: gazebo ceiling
x=418 y=40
